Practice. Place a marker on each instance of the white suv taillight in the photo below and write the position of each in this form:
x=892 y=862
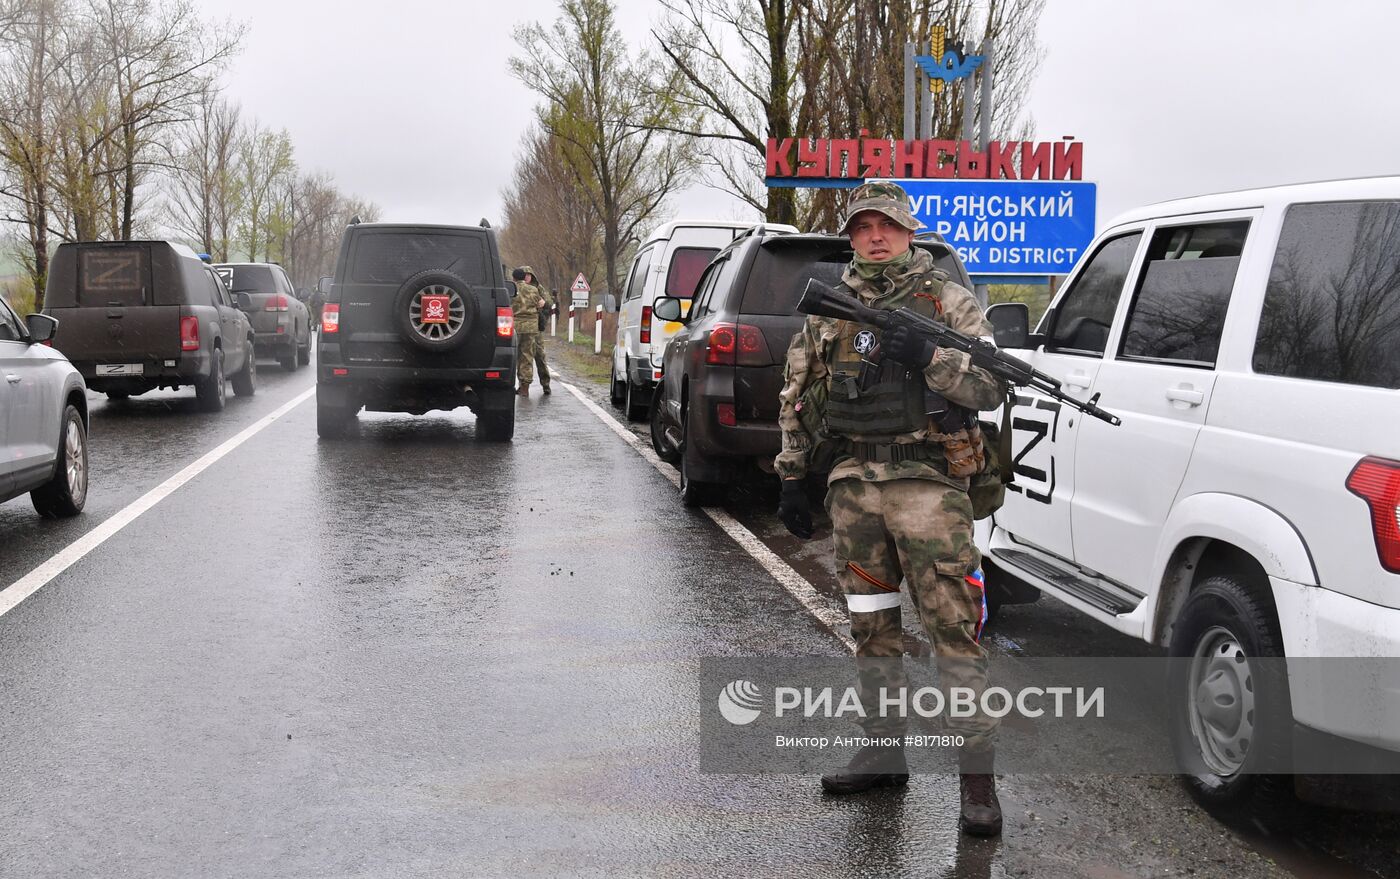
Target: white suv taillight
x=1377 y=481
x=505 y=323
x=330 y=317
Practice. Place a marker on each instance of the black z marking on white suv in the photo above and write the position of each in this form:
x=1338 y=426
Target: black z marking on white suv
x=1039 y=430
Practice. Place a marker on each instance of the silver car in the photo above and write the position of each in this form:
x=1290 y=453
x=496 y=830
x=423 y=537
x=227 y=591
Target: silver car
x=43 y=418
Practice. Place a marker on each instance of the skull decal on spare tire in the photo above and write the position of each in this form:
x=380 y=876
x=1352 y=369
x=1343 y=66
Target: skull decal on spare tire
x=434 y=310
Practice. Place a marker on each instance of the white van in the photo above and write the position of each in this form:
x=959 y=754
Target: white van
x=1249 y=504
x=668 y=263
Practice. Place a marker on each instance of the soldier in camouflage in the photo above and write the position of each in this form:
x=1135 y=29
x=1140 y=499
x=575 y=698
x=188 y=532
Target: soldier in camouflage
x=901 y=414
x=528 y=302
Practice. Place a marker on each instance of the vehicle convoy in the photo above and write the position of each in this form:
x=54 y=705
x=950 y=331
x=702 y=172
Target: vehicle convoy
x=417 y=317
x=669 y=263
x=281 y=321
x=1247 y=506
x=43 y=418
x=715 y=412
x=134 y=316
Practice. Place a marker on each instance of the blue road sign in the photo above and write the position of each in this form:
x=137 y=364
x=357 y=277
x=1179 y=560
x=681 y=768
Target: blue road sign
x=1008 y=227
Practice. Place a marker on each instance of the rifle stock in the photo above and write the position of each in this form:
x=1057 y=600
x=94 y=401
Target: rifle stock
x=824 y=301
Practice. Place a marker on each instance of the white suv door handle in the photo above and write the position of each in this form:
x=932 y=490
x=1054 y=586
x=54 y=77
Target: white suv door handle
x=12 y=379
x=1078 y=380
x=1186 y=394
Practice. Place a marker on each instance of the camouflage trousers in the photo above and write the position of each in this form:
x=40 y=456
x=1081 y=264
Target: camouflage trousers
x=531 y=354
x=918 y=531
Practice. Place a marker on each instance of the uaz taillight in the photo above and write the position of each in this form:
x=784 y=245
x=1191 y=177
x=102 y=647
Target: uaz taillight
x=646 y=324
x=330 y=317
x=505 y=323
x=189 y=334
x=737 y=345
x=1377 y=481
x=276 y=303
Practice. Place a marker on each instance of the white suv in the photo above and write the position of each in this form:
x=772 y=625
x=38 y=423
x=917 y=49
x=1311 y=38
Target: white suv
x=668 y=263
x=1248 y=505
x=43 y=418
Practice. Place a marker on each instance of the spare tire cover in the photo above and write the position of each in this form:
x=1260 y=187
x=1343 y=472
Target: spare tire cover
x=434 y=310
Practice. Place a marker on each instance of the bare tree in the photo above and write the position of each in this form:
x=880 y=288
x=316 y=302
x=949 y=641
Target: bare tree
x=161 y=59
x=549 y=221
x=615 y=133
x=204 y=195
x=760 y=69
x=264 y=164
x=35 y=50
x=735 y=58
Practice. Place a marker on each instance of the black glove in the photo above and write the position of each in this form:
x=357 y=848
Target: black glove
x=795 y=510
x=905 y=346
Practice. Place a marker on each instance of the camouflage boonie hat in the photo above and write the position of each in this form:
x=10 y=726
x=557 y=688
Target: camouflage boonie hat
x=889 y=199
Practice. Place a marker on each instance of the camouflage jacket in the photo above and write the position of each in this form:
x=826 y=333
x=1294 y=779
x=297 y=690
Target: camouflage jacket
x=950 y=373
x=526 y=306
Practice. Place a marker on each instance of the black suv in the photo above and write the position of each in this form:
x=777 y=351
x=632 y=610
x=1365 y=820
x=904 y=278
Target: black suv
x=716 y=409
x=417 y=318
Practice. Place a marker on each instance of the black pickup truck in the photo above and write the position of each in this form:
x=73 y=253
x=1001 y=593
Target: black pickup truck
x=134 y=316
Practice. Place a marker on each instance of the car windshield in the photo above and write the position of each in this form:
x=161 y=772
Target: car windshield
x=383 y=257
x=248 y=279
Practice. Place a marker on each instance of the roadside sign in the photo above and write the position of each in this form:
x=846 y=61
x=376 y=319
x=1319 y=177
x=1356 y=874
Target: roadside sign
x=1008 y=227
x=580 y=291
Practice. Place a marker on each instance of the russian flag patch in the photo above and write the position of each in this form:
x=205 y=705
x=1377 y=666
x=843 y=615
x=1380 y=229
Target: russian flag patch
x=976 y=579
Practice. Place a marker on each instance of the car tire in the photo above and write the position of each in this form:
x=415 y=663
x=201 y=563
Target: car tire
x=635 y=405
x=1225 y=623
x=461 y=311
x=304 y=352
x=497 y=426
x=245 y=384
x=663 y=449
x=617 y=390
x=65 y=494
x=210 y=391
x=694 y=493
x=288 y=361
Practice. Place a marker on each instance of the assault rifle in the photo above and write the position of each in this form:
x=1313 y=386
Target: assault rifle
x=820 y=299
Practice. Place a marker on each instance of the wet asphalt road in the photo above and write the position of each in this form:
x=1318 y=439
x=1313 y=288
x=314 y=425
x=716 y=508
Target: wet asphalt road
x=411 y=653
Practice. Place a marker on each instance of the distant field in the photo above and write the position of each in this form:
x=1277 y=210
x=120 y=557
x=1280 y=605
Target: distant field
x=16 y=290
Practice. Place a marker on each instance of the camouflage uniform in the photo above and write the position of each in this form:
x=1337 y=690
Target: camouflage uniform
x=526 y=306
x=904 y=519
x=550 y=305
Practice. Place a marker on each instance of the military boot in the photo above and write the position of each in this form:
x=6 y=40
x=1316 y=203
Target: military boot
x=524 y=391
x=981 y=810
x=871 y=767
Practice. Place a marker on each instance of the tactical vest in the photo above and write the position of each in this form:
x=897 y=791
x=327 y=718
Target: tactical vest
x=888 y=399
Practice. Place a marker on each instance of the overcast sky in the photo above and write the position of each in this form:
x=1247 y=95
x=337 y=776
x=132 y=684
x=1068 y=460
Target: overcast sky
x=410 y=103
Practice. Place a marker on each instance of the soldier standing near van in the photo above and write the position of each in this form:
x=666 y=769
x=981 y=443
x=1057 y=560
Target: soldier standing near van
x=903 y=415
x=527 y=305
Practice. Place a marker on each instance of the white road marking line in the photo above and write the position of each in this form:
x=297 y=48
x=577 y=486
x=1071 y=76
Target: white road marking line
x=18 y=591
x=798 y=586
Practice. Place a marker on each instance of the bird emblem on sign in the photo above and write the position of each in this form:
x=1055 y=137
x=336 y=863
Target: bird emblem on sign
x=947 y=62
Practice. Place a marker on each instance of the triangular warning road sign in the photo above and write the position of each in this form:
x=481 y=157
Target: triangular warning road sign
x=581 y=284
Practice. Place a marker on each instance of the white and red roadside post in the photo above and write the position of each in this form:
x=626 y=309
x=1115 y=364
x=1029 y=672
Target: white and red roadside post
x=571 y=323
x=598 y=330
